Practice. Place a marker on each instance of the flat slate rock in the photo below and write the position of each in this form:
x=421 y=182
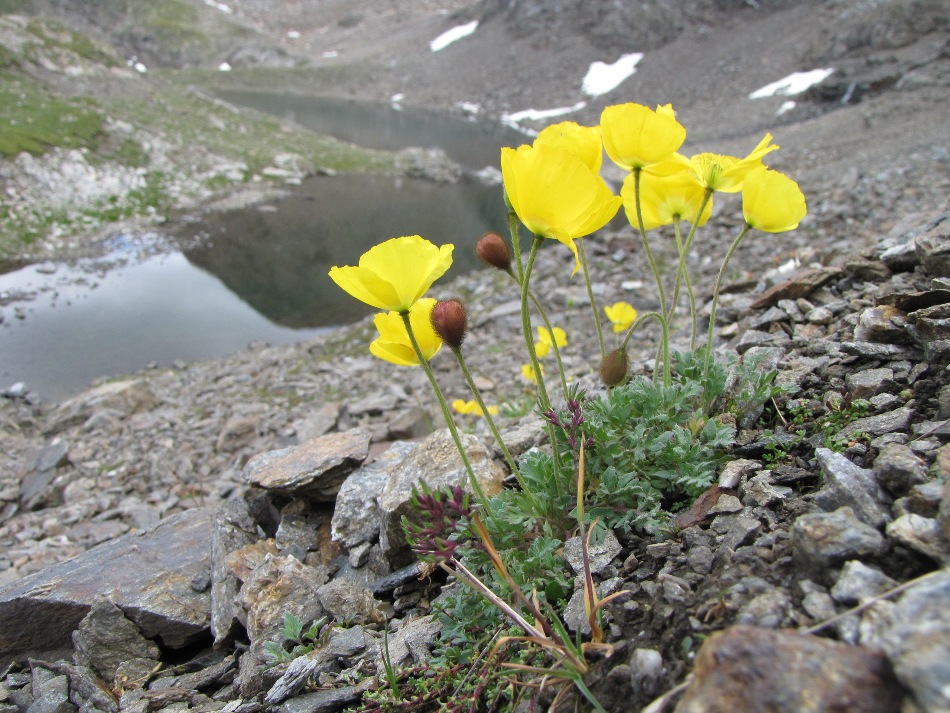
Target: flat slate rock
x=159 y=577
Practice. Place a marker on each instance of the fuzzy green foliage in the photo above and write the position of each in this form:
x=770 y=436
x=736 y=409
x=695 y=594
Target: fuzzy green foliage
x=300 y=641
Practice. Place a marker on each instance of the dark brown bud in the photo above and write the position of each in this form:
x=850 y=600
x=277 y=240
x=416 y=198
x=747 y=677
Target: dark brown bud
x=450 y=322
x=493 y=250
x=614 y=368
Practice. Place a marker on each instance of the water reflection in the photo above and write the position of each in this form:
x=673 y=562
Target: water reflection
x=473 y=144
x=277 y=259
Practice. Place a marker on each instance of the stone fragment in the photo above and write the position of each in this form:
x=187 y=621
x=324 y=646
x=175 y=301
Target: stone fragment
x=601 y=554
x=769 y=610
x=328 y=700
x=761 y=491
x=37 y=487
x=356 y=515
x=341 y=600
x=857 y=583
x=733 y=471
x=233 y=528
x=899 y=469
x=890 y=422
x=870 y=382
x=885 y=324
x=933 y=250
x=846 y=484
x=737 y=529
x=105 y=640
x=756 y=338
x=746 y=669
x=921 y=534
x=238 y=432
x=128 y=397
x=148 y=574
x=316 y=424
x=316 y=468
x=301 y=671
x=281 y=585
x=50 y=693
x=873 y=350
x=918 y=641
x=824 y=541
x=437 y=463
x=801 y=285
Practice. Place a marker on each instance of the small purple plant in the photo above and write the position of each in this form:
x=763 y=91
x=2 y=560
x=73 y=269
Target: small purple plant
x=439 y=526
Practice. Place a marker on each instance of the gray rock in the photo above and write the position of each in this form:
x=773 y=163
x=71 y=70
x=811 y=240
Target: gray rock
x=327 y=701
x=411 y=644
x=846 y=484
x=51 y=693
x=128 y=397
x=301 y=671
x=148 y=574
x=870 y=382
x=918 y=642
x=601 y=554
x=233 y=529
x=356 y=516
x=575 y=613
x=874 y=350
x=315 y=469
x=824 y=541
x=341 y=600
x=761 y=491
x=105 y=640
x=769 y=610
x=857 y=583
x=737 y=529
x=898 y=468
x=299 y=529
x=896 y=420
x=317 y=423
x=345 y=643
x=921 y=534
x=436 y=462
x=280 y=585
x=733 y=471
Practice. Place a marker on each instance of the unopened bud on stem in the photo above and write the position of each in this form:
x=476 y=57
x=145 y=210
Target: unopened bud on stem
x=614 y=368
x=493 y=250
x=450 y=322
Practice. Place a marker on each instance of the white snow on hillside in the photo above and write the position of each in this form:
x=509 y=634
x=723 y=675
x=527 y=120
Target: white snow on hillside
x=602 y=77
x=795 y=83
x=450 y=36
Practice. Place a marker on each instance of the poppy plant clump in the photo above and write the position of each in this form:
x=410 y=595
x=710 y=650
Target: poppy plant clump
x=651 y=444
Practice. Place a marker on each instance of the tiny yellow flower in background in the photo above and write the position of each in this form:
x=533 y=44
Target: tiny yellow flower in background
x=725 y=173
x=771 y=201
x=527 y=371
x=393 y=344
x=636 y=136
x=395 y=273
x=622 y=315
x=471 y=407
x=582 y=141
x=555 y=194
x=664 y=198
x=542 y=347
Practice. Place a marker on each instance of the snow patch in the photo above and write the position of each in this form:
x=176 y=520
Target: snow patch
x=602 y=77
x=514 y=120
x=450 y=36
x=224 y=67
x=786 y=106
x=795 y=83
x=219 y=6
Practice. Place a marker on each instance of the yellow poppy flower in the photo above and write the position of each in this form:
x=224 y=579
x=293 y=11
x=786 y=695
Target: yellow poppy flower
x=664 y=198
x=393 y=344
x=471 y=407
x=582 y=141
x=527 y=371
x=542 y=347
x=555 y=194
x=771 y=201
x=395 y=273
x=621 y=315
x=725 y=173
x=636 y=136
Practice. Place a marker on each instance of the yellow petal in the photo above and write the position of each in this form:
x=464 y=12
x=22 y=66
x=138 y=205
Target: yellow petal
x=636 y=136
x=665 y=198
x=394 y=345
x=395 y=273
x=582 y=141
x=772 y=202
x=622 y=315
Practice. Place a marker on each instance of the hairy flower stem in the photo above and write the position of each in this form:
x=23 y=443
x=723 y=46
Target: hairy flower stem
x=515 y=240
x=682 y=276
x=526 y=325
x=684 y=251
x=446 y=415
x=491 y=422
x=593 y=303
x=547 y=324
x=715 y=298
x=664 y=349
x=665 y=345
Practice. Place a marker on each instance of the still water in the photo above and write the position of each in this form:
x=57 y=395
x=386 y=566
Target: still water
x=260 y=274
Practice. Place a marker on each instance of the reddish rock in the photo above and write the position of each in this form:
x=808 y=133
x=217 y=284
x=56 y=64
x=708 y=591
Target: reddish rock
x=751 y=670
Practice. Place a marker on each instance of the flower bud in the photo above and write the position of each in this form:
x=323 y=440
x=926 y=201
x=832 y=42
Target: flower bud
x=614 y=368
x=493 y=250
x=450 y=322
